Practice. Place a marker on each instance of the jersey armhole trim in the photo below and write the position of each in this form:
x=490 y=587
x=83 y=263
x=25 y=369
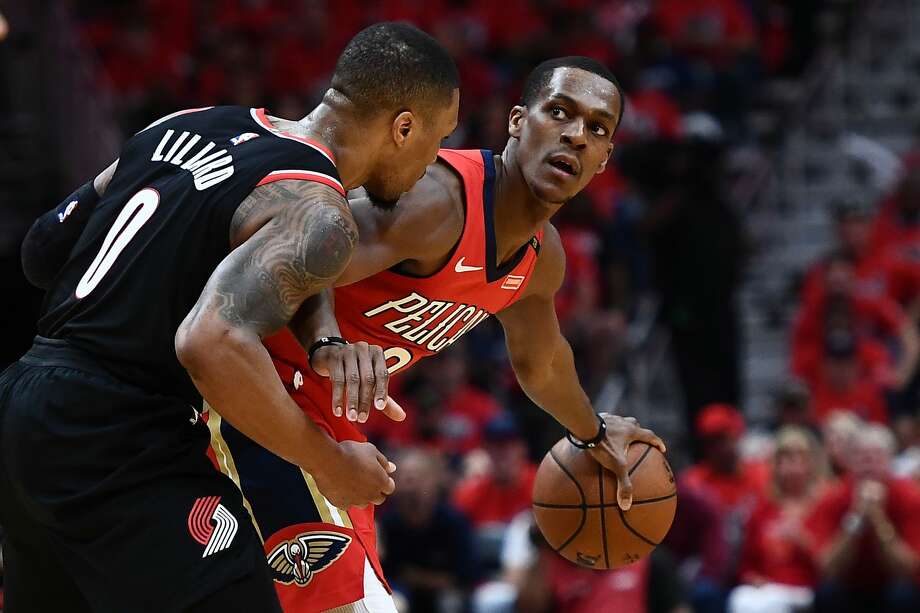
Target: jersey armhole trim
x=302 y=175
x=262 y=119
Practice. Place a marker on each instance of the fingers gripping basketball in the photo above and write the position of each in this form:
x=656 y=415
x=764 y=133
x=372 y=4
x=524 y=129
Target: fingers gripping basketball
x=575 y=506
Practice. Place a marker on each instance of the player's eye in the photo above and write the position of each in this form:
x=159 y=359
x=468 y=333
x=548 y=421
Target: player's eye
x=558 y=112
x=599 y=129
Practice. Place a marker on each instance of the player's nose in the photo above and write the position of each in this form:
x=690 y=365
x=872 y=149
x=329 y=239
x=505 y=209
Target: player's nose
x=575 y=134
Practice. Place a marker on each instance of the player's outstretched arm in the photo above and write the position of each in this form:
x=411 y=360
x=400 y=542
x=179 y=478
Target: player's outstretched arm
x=545 y=367
x=51 y=238
x=294 y=239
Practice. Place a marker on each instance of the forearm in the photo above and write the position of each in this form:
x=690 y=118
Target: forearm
x=554 y=387
x=315 y=319
x=257 y=404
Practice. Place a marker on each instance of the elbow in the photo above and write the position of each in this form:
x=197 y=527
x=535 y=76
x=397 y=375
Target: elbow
x=202 y=342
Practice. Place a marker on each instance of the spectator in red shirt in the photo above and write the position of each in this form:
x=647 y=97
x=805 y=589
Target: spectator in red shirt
x=840 y=386
x=733 y=483
x=504 y=490
x=866 y=534
x=853 y=227
x=888 y=269
x=837 y=305
x=777 y=570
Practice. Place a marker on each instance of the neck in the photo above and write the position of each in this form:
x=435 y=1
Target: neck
x=334 y=123
x=518 y=213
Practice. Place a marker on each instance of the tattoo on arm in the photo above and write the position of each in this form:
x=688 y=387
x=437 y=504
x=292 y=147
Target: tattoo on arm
x=306 y=239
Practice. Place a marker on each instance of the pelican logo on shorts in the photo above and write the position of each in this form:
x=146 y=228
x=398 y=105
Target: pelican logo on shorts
x=211 y=524
x=308 y=553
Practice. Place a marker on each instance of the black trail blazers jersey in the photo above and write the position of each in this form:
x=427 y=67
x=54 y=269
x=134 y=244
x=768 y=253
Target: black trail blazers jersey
x=161 y=228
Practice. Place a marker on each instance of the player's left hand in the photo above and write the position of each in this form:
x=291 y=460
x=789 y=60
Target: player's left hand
x=359 y=380
x=611 y=452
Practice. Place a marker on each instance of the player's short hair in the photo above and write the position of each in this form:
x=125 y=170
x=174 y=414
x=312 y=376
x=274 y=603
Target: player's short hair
x=394 y=65
x=538 y=79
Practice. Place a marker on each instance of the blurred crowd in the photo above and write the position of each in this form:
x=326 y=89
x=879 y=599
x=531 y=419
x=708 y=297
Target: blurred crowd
x=814 y=513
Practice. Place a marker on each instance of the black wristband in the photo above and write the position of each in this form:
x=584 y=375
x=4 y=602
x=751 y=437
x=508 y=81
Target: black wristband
x=324 y=341
x=591 y=443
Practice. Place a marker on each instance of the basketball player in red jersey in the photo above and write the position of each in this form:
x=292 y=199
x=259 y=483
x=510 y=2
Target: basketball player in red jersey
x=471 y=239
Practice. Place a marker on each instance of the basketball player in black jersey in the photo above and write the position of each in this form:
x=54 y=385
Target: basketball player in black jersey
x=213 y=229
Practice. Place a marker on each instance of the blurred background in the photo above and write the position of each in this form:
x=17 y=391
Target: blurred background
x=744 y=278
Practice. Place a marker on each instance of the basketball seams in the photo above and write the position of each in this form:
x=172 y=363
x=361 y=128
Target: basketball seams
x=606 y=505
x=654 y=500
x=633 y=530
x=600 y=487
x=582 y=506
x=648 y=449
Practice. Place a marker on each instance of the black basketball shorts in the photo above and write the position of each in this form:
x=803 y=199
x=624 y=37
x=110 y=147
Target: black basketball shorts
x=109 y=502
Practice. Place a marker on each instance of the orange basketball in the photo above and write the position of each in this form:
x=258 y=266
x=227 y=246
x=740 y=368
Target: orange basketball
x=575 y=506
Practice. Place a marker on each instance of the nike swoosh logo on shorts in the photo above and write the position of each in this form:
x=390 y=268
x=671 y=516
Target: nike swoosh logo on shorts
x=461 y=268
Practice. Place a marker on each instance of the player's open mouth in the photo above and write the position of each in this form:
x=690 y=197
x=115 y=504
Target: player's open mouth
x=566 y=164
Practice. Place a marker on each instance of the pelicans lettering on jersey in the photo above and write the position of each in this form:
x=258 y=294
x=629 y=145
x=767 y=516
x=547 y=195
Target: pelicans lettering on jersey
x=411 y=318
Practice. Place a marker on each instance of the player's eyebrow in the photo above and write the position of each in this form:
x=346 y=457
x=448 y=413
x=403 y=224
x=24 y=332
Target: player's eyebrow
x=568 y=99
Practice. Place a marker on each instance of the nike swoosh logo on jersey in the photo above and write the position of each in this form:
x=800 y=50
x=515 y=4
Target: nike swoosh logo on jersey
x=461 y=268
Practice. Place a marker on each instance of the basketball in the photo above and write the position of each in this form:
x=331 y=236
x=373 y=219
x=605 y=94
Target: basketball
x=575 y=506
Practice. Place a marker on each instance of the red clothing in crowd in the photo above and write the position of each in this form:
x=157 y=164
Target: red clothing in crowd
x=769 y=554
x=890 y=230
x=581 y=289
x=581 y=590
x=712 y=29
x=455 y=428
x=864 y=398
x=650 y=114
x=893 y=272
x=484 y=501
x=873 y=360
x=879 y=316
x=729 y=491
x=902 y=506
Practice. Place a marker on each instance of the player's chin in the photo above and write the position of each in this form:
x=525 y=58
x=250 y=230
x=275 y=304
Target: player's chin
x=550 y=191
x=383 y=201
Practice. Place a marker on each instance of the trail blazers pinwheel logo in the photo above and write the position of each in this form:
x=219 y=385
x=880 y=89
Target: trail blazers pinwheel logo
x=211 y=524
x=297 y=560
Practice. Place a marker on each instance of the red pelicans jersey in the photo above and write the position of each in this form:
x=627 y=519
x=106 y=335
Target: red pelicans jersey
x=410 y=317
x=414 y=317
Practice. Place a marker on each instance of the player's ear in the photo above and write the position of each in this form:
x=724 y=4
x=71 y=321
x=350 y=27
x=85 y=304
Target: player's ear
x=402 y=127
x=603 y=165
x=515 y=119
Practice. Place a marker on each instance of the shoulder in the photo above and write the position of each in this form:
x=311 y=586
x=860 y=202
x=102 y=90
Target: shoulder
x=293 y=201
x=549 y=272
x=428 y=217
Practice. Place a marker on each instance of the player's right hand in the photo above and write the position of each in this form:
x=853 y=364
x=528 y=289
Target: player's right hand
x=359 y=476
x=359 y=380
